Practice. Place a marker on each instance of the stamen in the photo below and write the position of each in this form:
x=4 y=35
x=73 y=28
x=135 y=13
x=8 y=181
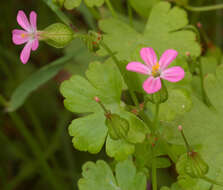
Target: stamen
x=23 y=35
x=155 y=69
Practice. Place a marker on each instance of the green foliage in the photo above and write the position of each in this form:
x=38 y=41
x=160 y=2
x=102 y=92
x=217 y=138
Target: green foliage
x=202 y=125
x=37 y=79
x=90 y=132
x=164 y=30
x=144 y=155
x=99 y=176
x=58 y=35
x=143 y=7
x=178 y=103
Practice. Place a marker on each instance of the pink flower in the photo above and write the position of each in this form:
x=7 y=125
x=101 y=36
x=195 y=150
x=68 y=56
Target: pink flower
x=29 y=35
x=156 y=70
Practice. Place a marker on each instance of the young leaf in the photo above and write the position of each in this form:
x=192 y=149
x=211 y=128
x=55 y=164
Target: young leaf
x=99 y=176
x=90 y=132
x=71 y=4
x=34 y=81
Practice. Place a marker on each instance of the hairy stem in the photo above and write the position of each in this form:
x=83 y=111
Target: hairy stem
x=204 y=95
x=204 y=8
x=130 y=13
x=154 y=175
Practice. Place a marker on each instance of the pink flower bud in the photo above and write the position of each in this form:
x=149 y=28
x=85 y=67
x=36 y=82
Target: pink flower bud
x=187 y=53
x=180 y=128
x=199 y=25
x=96 y=99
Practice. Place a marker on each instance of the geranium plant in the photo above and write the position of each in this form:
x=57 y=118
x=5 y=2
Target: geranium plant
x=149 y=102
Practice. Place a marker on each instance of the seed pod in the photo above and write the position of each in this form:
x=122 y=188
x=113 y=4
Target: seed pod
x=117 y=127
x=196 y=166
x=57 y=35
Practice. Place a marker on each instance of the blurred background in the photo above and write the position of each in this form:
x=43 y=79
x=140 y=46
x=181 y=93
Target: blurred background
x=35 y=148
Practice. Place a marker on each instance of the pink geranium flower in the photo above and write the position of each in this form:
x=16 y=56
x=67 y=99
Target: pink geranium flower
x=29 y=35
x=156 y=70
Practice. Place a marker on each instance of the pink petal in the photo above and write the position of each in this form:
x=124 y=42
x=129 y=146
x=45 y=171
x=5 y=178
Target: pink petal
x=25 y=54
x=23 y=21
x=33 y=20
x=167 y=57
x=138 y=67
x=152 y=85
x=173 y=74
x=19 y=36
x=148 y=55
x=35 y=44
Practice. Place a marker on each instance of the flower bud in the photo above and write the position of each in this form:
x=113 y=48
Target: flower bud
x=117 y=127
x=196 y=166
x=58 y=35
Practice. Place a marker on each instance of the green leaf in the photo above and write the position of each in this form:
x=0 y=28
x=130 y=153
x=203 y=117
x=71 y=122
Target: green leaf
x=143 y=7
x=58 y=35
x=34 y=81
x=71 y=4
x=89 y=133
x=105 y=82
x=99 y=176
x=209 y=64
x=203 y=125
x=164 y=30
x=119 y=149
x=178 y=103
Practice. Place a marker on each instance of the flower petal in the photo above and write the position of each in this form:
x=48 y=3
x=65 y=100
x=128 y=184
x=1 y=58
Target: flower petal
x=148 y=55
x=138 y=67
x=33 y=20
x=152 y=85
x=19 y=36
x=167 y=57
x=173 y=74
x=25 y=54
x=35 y=44
x=23 y=21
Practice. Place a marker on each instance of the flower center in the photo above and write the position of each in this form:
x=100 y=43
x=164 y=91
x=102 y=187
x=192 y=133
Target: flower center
x=24 y=35
x=155 y=70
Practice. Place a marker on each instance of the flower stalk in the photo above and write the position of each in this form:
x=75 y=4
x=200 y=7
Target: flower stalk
x=204 y=8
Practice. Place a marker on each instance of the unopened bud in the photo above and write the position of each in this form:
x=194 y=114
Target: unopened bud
x=188 y=54
x=180 y=128
x=96 y=99
x=199 y=25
